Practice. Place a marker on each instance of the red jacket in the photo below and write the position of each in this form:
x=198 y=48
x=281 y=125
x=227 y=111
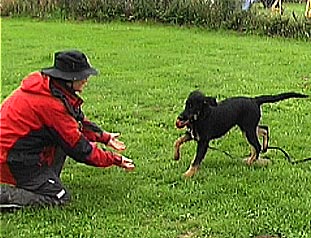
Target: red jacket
x=41 y=115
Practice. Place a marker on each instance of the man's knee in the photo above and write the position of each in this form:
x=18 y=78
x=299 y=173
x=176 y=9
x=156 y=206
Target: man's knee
x=10 y=195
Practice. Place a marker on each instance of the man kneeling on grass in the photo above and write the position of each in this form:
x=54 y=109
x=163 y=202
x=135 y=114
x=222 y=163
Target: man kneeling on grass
x=40 y=124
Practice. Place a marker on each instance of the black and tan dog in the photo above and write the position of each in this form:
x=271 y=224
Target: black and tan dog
x=207 y=120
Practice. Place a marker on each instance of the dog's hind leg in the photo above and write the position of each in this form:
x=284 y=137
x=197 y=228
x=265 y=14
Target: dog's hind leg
x=263 y=131
x=201 y=151
x=252 y=138
x=179 y=142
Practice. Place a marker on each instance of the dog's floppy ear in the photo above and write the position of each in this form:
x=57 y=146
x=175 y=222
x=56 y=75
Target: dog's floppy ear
x=210 y=101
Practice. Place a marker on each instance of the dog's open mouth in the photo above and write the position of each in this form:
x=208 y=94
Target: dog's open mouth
x=181 y=124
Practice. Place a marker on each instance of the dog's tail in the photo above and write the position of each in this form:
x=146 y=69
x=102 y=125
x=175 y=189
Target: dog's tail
x=279 y=97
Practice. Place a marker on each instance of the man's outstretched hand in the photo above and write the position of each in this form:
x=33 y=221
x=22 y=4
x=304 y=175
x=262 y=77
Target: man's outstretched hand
x=114 y=143
x=127 y=164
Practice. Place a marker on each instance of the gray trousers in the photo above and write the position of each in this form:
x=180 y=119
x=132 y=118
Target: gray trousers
x=36 y=185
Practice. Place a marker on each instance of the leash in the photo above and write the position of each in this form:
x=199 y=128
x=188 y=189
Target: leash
x=288 y=158
x=222 y=151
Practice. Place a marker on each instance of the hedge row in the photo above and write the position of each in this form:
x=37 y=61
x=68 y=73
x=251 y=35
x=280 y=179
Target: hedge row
x=225 y=14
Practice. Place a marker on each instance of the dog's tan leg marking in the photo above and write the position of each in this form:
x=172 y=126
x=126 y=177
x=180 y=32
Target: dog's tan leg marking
x=264 y=133
x=252 y=158
x=191 y=171
x=178 y=144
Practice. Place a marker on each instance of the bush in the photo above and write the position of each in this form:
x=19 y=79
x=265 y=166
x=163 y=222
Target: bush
x=224 y=14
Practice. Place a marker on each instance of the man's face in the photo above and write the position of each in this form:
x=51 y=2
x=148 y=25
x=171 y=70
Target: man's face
x=79 y=85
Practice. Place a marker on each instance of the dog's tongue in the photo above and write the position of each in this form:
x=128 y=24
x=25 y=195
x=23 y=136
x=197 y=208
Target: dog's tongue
x=180 y=123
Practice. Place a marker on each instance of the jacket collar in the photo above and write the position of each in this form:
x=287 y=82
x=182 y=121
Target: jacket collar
x=69 y=98
x=72 y=98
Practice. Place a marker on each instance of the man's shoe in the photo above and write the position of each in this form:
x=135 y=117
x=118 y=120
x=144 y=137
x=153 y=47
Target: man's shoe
x=5 y=205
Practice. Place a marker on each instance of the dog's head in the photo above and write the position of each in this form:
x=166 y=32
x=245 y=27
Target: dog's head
x=197 y=106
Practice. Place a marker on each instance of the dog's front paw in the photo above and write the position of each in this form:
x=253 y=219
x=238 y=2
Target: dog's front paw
x=191 y=171
x=248 y=161
x=258 y=162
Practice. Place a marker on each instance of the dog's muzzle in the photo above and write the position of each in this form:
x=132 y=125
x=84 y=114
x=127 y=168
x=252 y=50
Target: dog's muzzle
x=181 y=123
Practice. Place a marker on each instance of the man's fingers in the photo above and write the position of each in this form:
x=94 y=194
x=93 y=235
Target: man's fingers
x=127 y=164
x=115 y=135
x=120 y=145
x=127 y=160
x=117 y=145
x=129 y=167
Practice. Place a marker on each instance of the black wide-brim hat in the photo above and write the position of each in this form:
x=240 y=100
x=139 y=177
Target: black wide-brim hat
x=70 y=66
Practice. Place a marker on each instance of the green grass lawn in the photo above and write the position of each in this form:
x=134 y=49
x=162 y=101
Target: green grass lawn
x=146 y=72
